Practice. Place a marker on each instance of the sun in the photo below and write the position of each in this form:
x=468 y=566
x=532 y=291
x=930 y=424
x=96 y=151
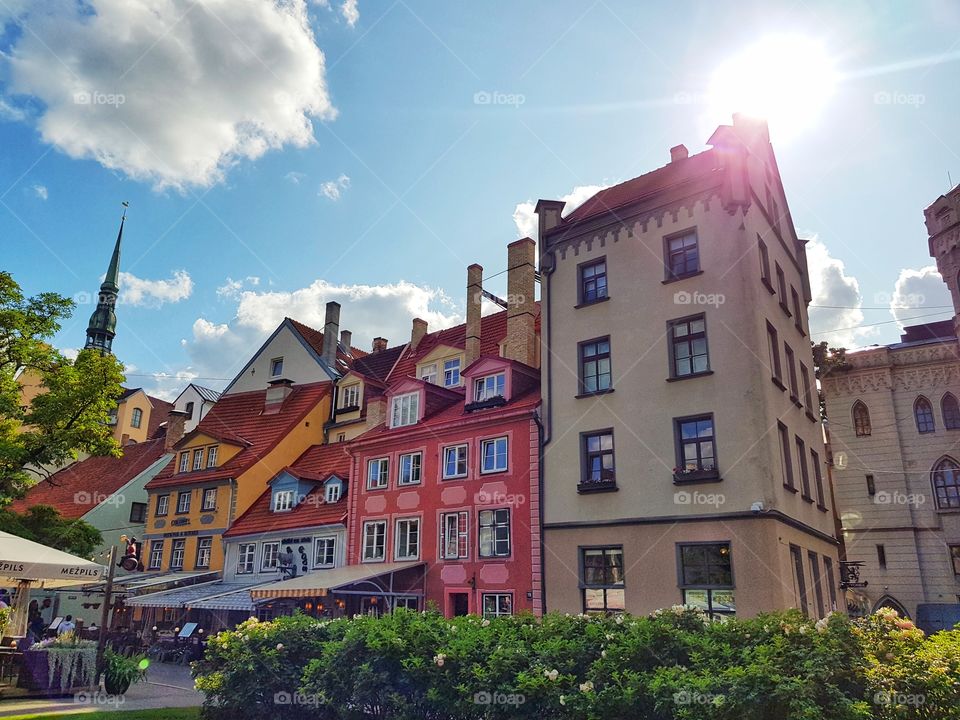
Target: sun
x=786 y=79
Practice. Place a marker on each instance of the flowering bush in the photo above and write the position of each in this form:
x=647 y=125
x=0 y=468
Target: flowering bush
x=672 y=664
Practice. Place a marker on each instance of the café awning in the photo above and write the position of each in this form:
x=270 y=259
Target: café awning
x=323 y=582
x=175 y=598
x=23 y=560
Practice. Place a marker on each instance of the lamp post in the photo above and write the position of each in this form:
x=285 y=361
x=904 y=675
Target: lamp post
x=105 y=613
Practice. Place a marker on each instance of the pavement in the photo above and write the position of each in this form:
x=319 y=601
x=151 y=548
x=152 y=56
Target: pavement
x=166 y=686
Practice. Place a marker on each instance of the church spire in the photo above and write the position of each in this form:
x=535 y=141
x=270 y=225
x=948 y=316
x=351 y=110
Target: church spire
x=103 y=322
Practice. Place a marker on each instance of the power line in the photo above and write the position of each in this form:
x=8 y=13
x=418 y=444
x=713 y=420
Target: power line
x=885 y=322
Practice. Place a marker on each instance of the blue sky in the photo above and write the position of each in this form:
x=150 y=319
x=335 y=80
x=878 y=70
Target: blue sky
x=263 y=182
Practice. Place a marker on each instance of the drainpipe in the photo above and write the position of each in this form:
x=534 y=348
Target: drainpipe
x=543 y=554
x=548 y=264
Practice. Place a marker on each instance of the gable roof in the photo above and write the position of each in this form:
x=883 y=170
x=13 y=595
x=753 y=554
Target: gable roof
x=205 y=393
x=97 y=476
x=315 y=339
x=240 y=417
x=160 y=409
x=379 y=364
x=317 y=463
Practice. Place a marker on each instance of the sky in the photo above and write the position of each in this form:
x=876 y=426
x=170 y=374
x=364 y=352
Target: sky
x=277 y=155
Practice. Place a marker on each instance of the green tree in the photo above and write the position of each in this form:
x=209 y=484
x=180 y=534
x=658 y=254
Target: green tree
x=44 y=524
x=71 y=413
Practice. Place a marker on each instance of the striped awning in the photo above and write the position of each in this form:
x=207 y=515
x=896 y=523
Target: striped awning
x=322 y=582
x=229 y=596
x=174 y=598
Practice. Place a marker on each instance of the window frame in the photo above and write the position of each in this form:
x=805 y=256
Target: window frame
x=410 y=523
x=587 y=455
x=330 y=486
x=276 y=371
x=506 y=455
x=323 y=540
x=164 y=506
x=791 y=360
x=807 y=390
x=207 y=493
x=184 y=465
x=699 y=474
x=669 y=274
x=188 y=494
x=497 y=612
x=246 y=558
x=425 y=375
x=136 y=418
x=197 y=460
x=179 y=545
x=818 y=479
x=350 y=397
x=204 y=544
x=689 y=340
x=480 y=390
x=773 y=356
x=461 y=520
x=418 y=466
x=946 y=500
x=786 y=457
x=448 y=372
x=288 y=496
x=801 y=448
x=212 y=453
x=796 y=557
x=951 y=413
x=782 y=289
x=365 y=536
x=928 y=423
x=599 y=295
x=597 y=358
x=953 y=552
x=383 y=473
x=860 y=413
x=797 y=314
x=141 y=512
x=412 y=409
x=264 y=567
x=606 y=586
x=492 y=535
x=765 y=265
x=816 y=577
x=156 y=551
x=466 y=461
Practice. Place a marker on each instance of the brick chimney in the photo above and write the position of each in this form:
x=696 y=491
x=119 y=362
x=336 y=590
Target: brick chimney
x=417 y=333
x=346 y=339
x=278 y=391
x=125 y=439
x=679 y=152
x=175 y=423
x=376 y=412
x=379 y=344
x=331 y=331
x=474 y=301
x=521 y=340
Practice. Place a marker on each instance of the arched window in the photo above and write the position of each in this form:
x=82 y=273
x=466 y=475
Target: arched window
x=951 y=412
x=136 y=418
x=923 y=412
x=889 y=602
x=861 y=419
x=946 y=483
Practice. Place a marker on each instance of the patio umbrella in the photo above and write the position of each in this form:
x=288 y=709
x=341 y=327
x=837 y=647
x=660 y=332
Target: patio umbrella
x=25 y=564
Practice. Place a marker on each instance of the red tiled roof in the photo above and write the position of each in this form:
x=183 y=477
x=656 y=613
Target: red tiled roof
x=97 y=476
x=241 y=416
x=657 y=180
x=315 y=339
x=317 y=463
x=379 y=364
x=158 y=415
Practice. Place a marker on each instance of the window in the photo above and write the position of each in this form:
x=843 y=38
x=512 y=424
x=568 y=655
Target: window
x=136 y=417
x=341 y=437
x=407 y=602
x=923 y=413
x=595 y=375
x=451 y=372
x=807 y=388
x=871 y=486
x=861 y=419
x=706 y=577
x=882 y=557
x=350 y=397
x=493 y=455
x=246 y=555
x=177 y=553
x=189 y=409
x=454 y=535
x=209 y=501
x=428 y=373
x=410 y=465
x=163 y=504
x=797 y=315
x=183 y=502
x=791 y=371
x=377 y=473
x=946 y=483
x=494 y=533
x=817 y=581
x=593 y=282
x=688 y=347
x=773 y=348
x=374 y=541
x=800 y=583
x=497 y=605
x=198 y=459
x=489 y=387
x=764 y=264
x=683 y=256
x=270 y=556
x=786 y=463
x=454 y=462
x=331 y=493
x=955 y=559
x=324 y=552
x=406 y=539
x=804 y=471
x=212 y=456
x=276 y=367
x=601 y=579
x=204 y=546
x=951 y=412
x=598 y=465
x=831 y=583
x=818 y=478
x=184 y=461
x=696 y=451
x=283 y=500
x=405 y=410
x=782 y=288
x=156 y=555
x=138 y=512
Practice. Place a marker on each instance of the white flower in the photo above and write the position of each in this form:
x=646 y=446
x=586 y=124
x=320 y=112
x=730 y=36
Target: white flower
x=551 y=674
x=563 y=699
x=603 y=653
x=803 y=629
x=279 y=646
x=618 y=620
x=485 y=623
x=439 y=659
x=823 y=624
x=609 y=636
x=586 y=686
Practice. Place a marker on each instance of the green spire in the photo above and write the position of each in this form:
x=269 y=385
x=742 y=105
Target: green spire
x=112 y=280
x=103 y=322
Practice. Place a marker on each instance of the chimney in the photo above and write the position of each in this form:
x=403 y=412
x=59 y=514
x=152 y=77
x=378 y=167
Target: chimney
x=376 y=412
x=548 y=215
x=175 y=422
x=346 y=338
x=125 y=439
x=278 y=391
x=331 y=330
x=521 y=341
x=679 y=152
x=417 y=333
x=379 y=344
x=474 y=301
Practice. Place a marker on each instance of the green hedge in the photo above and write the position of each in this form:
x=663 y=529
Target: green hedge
x=672 y=664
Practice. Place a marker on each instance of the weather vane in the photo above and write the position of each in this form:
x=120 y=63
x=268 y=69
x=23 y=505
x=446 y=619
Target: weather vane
x=125 y=206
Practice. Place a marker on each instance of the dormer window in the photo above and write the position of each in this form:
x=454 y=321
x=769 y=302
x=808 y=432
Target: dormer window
x=276 y=367
x=428 y=373
x=350 y=397
x=489 y=387
x=331 y=492
x=283 y=500
x=184 y=461
x=212 y=456
x=451 y=372
x=405 y=409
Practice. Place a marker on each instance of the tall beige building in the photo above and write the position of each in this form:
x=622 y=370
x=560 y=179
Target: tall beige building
x=684 y=458
x=894 y=425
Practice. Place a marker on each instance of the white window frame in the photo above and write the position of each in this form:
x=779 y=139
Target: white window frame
x=405 y=409
x=197 y=459
x=369 y=549
x=204 y=505
x=322 y=542
x=264 y=567
x=156 y=554
x=383 y=471
x=188 y=494
x=351 y=396
x=184 y=461
x=283 y=500
x=204 y=552
x=212 y=455
x=273 y=367
x=460 y=535
x=416 y=463
x=506 y=455
x=178 y=547
x=482 y=392
x=448 y=372
x=163 y=505
x=428 y=373
x=492 y=533
x=497 y=612
x=246 y=558
x=332 y=492
x=465 y=447
x=412 y=525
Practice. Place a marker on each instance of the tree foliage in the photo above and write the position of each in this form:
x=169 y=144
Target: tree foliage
x=44 y=524
x=71 y=412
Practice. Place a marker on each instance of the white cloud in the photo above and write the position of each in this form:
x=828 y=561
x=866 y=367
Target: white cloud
x=294 y=177
x=172 y=92
x=525 y=218
x=9 y=112
x=166 y=385
x=919 y=292
x=41 y=191
x=154 y=293
x=350 y=12
x=837 y=316
x=332 y=189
